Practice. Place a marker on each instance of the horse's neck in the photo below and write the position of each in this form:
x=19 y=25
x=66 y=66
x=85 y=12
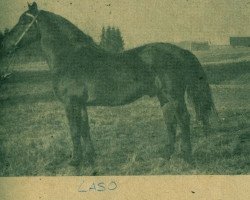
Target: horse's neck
x=55 y=43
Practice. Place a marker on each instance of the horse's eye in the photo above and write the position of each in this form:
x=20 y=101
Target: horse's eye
x=22 y=22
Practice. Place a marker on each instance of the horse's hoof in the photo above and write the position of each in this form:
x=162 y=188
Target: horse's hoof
x=94 y=173
x=90 y=160
x=167 y=157
x=168 y=153
x=75 y=162
x=187 y=158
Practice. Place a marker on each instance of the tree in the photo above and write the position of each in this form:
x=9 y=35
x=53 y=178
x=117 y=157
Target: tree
x=108 y=39
x=120 y=43
x=111 y=40
x=103 y=38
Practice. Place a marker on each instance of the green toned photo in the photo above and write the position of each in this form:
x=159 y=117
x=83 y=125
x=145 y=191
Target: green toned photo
x=161 y=88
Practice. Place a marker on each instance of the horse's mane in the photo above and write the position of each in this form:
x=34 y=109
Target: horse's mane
x=73 y=33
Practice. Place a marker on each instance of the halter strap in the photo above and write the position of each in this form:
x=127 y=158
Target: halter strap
x=30 y=15
x=28 y=27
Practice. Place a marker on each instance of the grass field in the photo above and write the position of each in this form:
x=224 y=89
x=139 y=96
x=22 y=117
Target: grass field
x=35 y=140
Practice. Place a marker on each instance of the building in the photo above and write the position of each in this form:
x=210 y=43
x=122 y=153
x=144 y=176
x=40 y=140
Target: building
x=240 y=41
x=194 y=46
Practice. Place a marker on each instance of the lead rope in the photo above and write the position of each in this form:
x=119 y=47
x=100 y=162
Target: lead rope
x=11 y=58
x=7 y=69
x=10 y=62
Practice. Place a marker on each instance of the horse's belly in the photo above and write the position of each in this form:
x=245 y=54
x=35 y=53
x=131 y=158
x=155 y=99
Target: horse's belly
x=114 y=94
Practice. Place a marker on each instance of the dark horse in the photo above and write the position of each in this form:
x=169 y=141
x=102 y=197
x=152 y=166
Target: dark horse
x=84 y=75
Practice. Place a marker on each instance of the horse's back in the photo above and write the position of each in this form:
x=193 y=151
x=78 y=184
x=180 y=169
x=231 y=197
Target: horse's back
x=149 y=53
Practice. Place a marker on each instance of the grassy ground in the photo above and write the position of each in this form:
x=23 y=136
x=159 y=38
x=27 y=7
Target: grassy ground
x=35 y=140
x=226 y=54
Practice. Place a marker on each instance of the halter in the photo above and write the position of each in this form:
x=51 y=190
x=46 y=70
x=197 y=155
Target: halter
x=28 y=27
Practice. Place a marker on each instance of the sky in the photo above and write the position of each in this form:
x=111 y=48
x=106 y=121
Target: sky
x=144 y=21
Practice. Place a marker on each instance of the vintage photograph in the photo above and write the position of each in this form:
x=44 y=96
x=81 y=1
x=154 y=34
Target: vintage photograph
x=113 y=87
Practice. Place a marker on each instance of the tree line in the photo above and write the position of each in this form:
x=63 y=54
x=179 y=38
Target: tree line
x=111 y=39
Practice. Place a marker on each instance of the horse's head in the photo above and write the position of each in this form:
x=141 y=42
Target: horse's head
x=24 y=32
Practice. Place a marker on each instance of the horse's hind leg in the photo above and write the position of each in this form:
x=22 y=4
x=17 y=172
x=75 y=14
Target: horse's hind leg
x=176 y=110
x=170 y=121
x=183 y=119
x=171 y=97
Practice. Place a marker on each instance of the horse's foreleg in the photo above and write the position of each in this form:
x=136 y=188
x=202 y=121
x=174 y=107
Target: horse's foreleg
x=73 y=112
x=85 y=133
x=183 y=119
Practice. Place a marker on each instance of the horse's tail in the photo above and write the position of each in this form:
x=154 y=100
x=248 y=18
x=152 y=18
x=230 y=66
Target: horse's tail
x=199 y=92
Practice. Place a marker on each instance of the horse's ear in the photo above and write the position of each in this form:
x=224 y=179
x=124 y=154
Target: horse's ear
x=29 y=5
x=33 y=6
